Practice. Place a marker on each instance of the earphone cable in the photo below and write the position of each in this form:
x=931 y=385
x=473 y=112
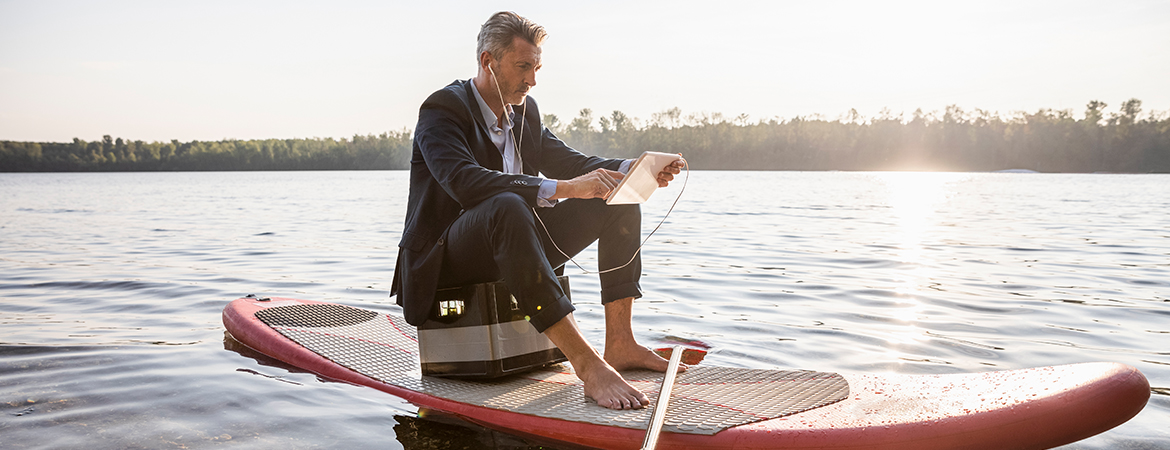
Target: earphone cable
x=639 y=250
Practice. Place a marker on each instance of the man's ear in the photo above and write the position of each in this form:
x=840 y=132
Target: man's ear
x=485 y=61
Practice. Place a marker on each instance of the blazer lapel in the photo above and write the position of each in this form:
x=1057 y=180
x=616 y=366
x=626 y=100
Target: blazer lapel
x=482 y=147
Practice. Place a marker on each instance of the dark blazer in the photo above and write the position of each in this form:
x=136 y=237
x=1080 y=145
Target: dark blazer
x=454 y=165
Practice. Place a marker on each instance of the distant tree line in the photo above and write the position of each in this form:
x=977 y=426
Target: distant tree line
x=953 y=140
x=374 y=152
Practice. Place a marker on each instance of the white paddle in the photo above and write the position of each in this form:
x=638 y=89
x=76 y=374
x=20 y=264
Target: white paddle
x=660 y=405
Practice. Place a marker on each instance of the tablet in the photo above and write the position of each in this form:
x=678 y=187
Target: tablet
x=641 y=180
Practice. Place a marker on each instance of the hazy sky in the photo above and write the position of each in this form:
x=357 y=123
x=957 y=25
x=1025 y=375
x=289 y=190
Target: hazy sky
x=210 y=70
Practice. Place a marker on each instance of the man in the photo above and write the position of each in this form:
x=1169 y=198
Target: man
x=479 y=211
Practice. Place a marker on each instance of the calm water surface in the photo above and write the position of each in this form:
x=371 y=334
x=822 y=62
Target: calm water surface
x=112 y=284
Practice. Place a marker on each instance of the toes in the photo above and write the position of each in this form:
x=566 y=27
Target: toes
x=620 y=404
x=625 y=401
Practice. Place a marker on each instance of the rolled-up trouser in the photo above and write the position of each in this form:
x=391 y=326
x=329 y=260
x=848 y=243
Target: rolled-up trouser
x=500 y=238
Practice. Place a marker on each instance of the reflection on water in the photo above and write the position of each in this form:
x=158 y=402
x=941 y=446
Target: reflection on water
x=914 y=199
x=113 y=284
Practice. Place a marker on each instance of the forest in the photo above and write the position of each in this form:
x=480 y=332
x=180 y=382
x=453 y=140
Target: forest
x=1123 y=141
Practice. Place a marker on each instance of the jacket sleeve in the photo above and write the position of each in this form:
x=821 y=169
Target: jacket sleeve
x=444 y=126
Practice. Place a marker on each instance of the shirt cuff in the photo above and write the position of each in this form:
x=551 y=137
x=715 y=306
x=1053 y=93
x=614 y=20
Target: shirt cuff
x=625 y=168
x=547 y=189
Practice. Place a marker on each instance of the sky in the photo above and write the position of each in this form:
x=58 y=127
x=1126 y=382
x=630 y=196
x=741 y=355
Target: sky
x=210 y=70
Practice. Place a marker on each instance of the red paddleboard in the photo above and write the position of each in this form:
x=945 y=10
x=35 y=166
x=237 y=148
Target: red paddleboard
x=710 y=407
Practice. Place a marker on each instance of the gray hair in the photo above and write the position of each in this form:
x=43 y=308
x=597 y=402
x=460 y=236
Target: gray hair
x=496 y=35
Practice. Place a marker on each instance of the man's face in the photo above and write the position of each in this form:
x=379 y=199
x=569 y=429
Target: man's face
x=516 y=70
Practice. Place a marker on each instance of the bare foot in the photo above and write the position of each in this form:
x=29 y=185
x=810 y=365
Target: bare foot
x=626 y=356
x=602 y=382
x=606 y=387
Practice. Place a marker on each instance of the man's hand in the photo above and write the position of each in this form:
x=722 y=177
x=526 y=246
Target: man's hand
x=667 y=174
x=596 y=184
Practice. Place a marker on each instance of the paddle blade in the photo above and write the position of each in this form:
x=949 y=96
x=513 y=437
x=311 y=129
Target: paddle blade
x=690 y=356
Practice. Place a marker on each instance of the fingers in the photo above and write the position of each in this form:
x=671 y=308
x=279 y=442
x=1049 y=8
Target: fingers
x=596 y=184
x=607 y=178
x=672 y=169
x=667 y=174
x=665 y=177
x=669 y=171
x=607 y=183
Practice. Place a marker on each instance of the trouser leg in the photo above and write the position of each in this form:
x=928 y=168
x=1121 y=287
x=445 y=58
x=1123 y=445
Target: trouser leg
x=500 y=238
x=575 y=224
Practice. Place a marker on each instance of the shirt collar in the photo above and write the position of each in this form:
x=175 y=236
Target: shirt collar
x=489 y=117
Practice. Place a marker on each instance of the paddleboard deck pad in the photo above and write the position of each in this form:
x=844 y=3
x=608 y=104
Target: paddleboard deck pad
x=384 y=347
x=711 y=407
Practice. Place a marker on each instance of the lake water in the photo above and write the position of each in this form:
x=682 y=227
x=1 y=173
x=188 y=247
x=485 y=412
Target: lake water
x=112 y=284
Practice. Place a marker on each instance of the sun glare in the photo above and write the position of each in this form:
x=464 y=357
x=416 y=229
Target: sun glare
x=913 y=199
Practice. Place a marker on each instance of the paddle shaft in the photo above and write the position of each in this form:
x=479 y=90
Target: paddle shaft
x=663 y=401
